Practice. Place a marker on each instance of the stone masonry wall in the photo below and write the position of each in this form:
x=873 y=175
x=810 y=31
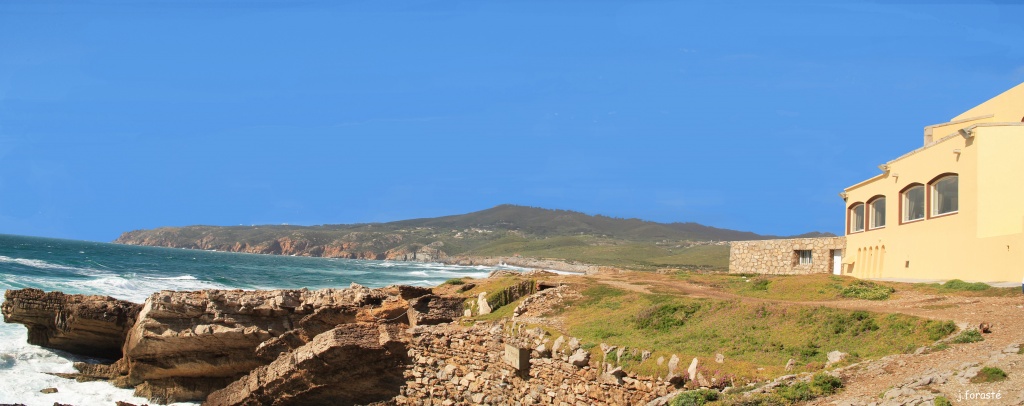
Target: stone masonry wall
x=456 y=365
x=779 y=257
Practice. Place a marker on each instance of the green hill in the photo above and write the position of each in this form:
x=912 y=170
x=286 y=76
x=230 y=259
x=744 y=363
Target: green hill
x=504 y=230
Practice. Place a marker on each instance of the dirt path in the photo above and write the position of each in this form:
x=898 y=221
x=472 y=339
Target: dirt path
x=873 y=381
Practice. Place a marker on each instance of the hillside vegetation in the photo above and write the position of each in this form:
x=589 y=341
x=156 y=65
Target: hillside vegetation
x=504 y=230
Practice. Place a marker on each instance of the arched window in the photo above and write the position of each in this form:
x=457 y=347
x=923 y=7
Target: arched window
x=912 y=200
x=876 y=212
x=945 y=194
x=856 y=218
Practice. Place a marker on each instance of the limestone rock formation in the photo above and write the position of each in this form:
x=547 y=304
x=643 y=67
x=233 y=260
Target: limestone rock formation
x=95 y=326
x=181 y=346
x=358 y=363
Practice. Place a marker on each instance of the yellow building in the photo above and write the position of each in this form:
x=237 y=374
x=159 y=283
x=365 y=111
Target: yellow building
x=952 y=209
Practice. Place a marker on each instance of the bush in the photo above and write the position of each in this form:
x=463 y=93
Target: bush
x=867 y=290
x=969 y=336
x=989 y=374
x=937 y=330
x=666 y=316
x=760 y=283
x=825 y=384
x=821 y=384
x=695 y=397
x=957 y=284
x=454 y=282
x=942 y=401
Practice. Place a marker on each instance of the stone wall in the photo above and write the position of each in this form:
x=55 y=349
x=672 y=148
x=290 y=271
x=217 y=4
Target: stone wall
x=455 y=365
x=779 y=257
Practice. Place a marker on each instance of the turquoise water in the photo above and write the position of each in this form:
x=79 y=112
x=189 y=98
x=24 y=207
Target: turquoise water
x=133 y=273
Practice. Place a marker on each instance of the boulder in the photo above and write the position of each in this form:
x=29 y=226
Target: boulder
x=580 y=358
x=692 y=370
x=481 y=304
x=719 y=358
x=790 y=365
x=574 y=344
x=557 y=346
x=673 y=364
x=835 y=357
x=434 y=309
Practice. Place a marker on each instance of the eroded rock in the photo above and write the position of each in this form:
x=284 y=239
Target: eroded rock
x=352 y=364
x=94 y=326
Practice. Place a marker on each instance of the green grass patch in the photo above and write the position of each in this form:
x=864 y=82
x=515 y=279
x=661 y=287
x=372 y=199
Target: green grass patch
x=969 y=336
x=455 y=282
x=989 y=374
x=939 y=330
x=750 y=335
x=959 y=285
x=821 y=384
x=942 y=401
x=818 y=287
x=695 y=397
x=868 y=290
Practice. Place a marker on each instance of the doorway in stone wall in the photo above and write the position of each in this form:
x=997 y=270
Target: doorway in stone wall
x=837 y=262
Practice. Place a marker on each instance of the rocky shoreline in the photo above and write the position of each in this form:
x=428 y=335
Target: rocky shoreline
x=387 y=248
x=398 y=345
x=189 y=346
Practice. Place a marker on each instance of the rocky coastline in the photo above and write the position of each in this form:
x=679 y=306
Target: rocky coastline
x=398 y=345
x=386 y=248
x=189 y=346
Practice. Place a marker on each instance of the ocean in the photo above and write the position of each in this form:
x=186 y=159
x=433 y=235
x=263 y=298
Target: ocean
x=134 y=272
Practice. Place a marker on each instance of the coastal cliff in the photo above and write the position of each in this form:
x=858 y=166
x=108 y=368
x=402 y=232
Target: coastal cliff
x=181 y=346
x=350 y=246
x=502 y=231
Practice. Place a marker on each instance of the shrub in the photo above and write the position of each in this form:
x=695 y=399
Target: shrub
x=957 y=284
x=854 y=323
x=989 y=374
x=695 y=397
x=867 y=290
x=454 y=282
x=942 y=401
x=825 y=384
x=937 y=330
x=821 y=384
x=969 y=336
x=760 y=283
x=666 y=316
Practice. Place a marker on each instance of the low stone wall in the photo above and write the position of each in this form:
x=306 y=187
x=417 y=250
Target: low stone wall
x=779 y=257
x=459 y=365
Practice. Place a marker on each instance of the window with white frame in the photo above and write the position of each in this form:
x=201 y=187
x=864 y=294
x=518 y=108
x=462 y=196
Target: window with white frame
x=857 y=218
x=945 y=197
x=877 y=213
x=913 y=203
x=805 y=256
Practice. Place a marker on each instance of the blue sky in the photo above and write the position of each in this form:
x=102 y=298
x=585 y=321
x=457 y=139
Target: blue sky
x=117 y=115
